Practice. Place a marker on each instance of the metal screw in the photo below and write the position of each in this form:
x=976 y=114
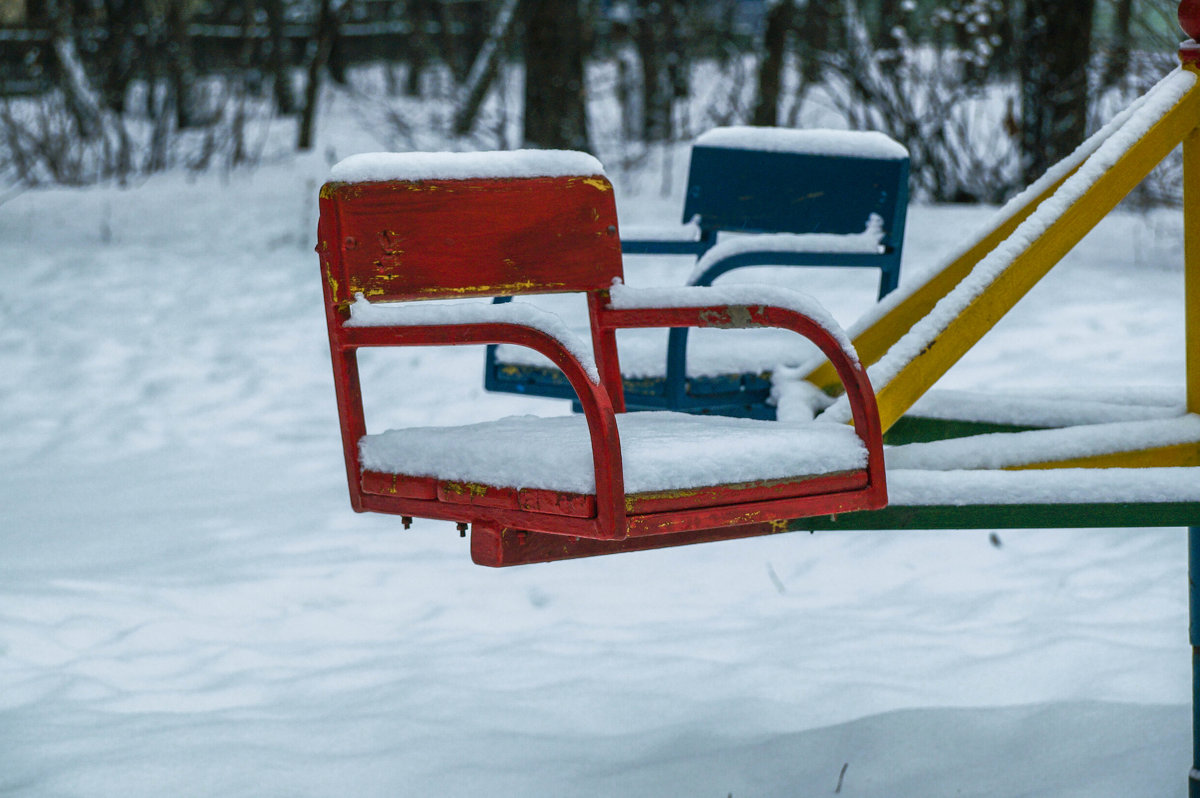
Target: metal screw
x=462 y=530
x=406 y=520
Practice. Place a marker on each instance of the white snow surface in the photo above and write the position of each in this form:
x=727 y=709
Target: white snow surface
x=909 y=487
x=409 y=314
x=660 y=232
x=659 y=451
x=379 y=166
x=845 y=143
x=867 y=242
x=1164 y=96
x=188 y=606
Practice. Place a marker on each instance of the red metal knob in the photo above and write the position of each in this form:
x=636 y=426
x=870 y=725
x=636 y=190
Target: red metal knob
x=1189 y=18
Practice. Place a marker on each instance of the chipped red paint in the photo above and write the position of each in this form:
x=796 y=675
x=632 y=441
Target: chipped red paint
x=443 y=239
x=1189 y=18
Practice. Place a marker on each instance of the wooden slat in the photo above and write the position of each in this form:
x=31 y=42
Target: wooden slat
x=479 y=495
x=766 y=490
x=402 y=240
x=578 y=505
x=399 y=485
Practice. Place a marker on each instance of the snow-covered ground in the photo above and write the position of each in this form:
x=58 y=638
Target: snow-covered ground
x=189 y=607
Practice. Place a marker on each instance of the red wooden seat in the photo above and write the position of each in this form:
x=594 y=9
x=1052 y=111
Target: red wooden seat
x=401 y=228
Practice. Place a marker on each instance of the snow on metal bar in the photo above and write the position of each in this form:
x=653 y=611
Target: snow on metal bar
x=625 y=298
x=413 y=314
x=1011 y=449
x=1060 y=486
x=868 y=242
x=876 y=330
x=1157 y=103
x=1007 y=211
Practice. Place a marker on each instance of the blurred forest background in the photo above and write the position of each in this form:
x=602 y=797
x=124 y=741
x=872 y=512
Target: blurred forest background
x=985 y=93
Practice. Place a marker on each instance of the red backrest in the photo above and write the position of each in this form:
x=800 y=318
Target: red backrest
x=438 y=239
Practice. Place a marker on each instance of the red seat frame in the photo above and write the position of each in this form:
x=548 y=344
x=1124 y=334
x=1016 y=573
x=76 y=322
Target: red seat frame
x=441 y=239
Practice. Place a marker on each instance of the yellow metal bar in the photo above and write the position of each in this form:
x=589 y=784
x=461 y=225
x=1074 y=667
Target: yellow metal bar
x=1179 y=455
x=965 y=330
x=1191 y=260
x=873 y=342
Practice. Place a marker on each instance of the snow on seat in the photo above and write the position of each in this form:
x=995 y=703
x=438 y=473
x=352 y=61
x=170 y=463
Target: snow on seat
x=398 y=231
x=660 y=451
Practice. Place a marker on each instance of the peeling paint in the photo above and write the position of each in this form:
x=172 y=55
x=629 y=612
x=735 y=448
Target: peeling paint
x=333 y=283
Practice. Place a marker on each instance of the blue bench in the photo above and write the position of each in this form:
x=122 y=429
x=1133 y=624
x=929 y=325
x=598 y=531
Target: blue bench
x=809 y=197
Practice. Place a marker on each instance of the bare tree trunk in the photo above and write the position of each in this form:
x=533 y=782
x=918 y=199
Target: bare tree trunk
x=820 y=28
x=1118 y=57
x=420 y=15
x=180 y=68
x=277 y=59
x=770 y=69
x=326 y=31
x=1055 y=51
x=118 y=54
x=891 y=22
x=555 y=98
x=649 y=23
x=483 y=71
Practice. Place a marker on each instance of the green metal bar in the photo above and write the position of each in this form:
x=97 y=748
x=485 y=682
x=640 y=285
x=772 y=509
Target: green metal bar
x=1009 y=516
x=919 y=429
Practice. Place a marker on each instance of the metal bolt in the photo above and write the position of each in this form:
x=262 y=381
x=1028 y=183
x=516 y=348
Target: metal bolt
x=406 y=520
x=462 y=530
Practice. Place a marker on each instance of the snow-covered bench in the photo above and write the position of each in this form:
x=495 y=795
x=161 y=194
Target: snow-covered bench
x=396 y=229
x=809 y=197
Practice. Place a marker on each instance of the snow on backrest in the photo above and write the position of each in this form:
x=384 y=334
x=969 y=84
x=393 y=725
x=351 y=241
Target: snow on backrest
x=522 y=228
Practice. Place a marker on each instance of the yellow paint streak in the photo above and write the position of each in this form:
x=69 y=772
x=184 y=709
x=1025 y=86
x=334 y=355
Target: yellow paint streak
x=1180 y=455
x=689 y=493
x=632 y=499
x=466 y=488
x=333 y=283
x=597 y=183
x=492 y=290
x=965 y=330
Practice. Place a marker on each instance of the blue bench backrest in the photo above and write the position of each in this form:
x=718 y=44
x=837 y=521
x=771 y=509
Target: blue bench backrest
x=786 y=192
